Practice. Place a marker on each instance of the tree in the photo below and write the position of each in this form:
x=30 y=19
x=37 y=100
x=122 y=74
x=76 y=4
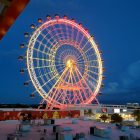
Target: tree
x=29 y=117
x=116 y=118
x=136 y=114
x=90 y=112
x=104 y=117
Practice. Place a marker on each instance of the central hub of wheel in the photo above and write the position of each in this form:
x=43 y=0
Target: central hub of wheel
x=70 y=63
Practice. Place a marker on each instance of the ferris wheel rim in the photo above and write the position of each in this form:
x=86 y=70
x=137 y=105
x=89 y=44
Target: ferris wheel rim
x=36 y=34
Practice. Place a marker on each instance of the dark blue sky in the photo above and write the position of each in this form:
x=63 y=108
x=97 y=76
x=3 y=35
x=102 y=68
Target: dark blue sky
x=115 y=25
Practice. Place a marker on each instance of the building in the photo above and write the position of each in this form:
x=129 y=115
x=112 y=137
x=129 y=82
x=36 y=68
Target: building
x=9 y=11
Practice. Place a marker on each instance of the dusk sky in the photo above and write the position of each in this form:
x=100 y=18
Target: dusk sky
x=115 y=25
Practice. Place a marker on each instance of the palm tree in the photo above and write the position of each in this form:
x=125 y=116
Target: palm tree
x=136 y=114
x=116 y=118
x=104 y=117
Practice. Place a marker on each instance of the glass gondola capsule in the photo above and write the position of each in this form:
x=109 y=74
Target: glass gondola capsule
x=102 y=60
x=65 y=17
x=56 y=16
x=26 y=83
x=39 y=20
x=80 y=24
x=32 y=26
x=32 y=95
x=48 y=17
x=102 y=85
x=21 y=71
x=22 y=46
x=20 y=58
x=100 y=52
x=103 y=69
x=92 y=36
x=26 y=34
x=86 y=30
x=73 y=19
x=104 y=77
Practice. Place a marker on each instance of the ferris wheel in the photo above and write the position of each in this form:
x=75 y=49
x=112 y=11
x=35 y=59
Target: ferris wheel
x=63 y=62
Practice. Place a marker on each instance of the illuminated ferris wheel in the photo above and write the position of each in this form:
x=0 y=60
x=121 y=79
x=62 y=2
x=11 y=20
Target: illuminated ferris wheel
x=63 y=62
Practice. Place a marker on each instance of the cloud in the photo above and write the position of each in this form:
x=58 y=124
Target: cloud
x=131 y=78
x=111 y=87
x=129 y=81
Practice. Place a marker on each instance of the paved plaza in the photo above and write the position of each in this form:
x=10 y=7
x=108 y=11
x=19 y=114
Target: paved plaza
x=36 y=132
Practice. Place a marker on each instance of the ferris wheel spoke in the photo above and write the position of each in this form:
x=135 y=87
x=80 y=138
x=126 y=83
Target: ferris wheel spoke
x=72 y=78
x=63 y=33
x=51 y=79
x=88 y=50
x=59 y=79
x=82 y=63
x=85 y=82
x=40 y=43
x=40 y=51
x=81 y=98
x=67 y=75
x=88 y=41
x=56 y=33
x=35 y=58
x=59 y=95
x=55 y=94
x=82 y=38
x=39 y=71
x=97 y=67
x=88 y=59
x=49 y=40
x=38 y=67
x=44 y=74
x=53 y=71
x=46 y=60
x=86 y=65
x=93 y=72
x=51 y=94
x=80 y=59
x=47 y=66
x=76 y=38
x=84 y=92
x=72 y=34
x=81 y=53
x=63 y=38
x=92 y=85
x=49 y=59
x=47 y=54
x=93 y=54
x=55 y=39
x=42 y=77
x=67 y=33
x=88 y=62
x=47 y=46
x=92 y=77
